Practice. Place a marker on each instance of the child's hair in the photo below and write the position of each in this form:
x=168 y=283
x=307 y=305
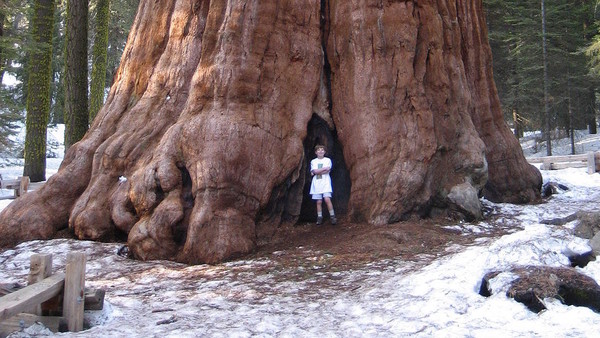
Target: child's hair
x=320 y=146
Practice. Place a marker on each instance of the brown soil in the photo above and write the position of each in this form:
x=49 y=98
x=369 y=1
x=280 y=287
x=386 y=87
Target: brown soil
x=348 y=245
x=361 y=240
x=352 y=245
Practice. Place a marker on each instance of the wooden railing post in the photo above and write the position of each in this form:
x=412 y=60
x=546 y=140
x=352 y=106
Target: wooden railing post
x=40 y=268
x=546 y=165
x=74 y=291
x=44 y=288
x=23 y=186
x=591 y=162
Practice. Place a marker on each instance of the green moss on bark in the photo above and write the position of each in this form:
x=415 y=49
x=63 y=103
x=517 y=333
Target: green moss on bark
x=76 y=72
x=38 y=98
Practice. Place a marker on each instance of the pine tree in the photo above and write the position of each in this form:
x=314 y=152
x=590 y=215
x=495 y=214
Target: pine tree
x=38 y=100
x=516 y=44
x=99 y=58
x=122 y=13
x=13 y=43
x=571 y=84
x=14 y=46
x=58 y=66
x=13 y=32
x=75 y=78
x=516 y=39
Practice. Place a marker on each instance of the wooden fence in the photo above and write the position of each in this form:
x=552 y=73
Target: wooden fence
x=46 y=293
x=591 y=161
x=19 y=185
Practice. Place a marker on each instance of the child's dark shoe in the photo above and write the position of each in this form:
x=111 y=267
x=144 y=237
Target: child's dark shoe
x=319 y=220
x=333 y=220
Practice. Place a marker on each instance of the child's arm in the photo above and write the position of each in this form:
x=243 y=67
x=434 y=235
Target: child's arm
x=320 y=171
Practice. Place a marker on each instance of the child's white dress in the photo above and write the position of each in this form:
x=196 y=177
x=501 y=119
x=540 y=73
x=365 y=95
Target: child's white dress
x=320 y=183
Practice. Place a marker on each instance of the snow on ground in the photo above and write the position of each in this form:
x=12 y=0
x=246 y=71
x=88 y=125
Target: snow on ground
x=534 y=146
x=259 y=297
x=13 y=168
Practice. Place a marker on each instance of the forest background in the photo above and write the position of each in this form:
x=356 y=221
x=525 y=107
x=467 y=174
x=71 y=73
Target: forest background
x=546 y=60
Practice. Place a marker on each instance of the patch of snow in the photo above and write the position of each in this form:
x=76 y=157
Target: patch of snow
x=13 y=168
x=8 y=79
x=534 y=146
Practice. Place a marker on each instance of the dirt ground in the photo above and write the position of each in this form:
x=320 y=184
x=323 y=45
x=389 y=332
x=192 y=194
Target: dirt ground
x=361 y=240
x=349 y=245
x=352 y=245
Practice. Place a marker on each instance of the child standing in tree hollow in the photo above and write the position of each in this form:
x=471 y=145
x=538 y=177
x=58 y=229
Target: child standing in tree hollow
x=321 y=188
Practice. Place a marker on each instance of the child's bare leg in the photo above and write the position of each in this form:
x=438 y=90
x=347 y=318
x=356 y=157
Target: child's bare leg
x=329 y=204
x=319 y=212
x=330 y=208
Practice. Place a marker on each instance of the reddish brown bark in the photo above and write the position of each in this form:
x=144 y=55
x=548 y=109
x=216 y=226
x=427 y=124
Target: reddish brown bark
x=200 y=151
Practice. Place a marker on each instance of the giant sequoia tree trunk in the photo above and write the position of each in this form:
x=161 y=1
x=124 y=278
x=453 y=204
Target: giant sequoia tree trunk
x=200 y=151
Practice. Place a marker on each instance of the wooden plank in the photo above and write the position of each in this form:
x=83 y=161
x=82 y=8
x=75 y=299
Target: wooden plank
x=546 y=165
x=94 y=299
x=40 y=267
x=10 y=184
x=24 y=320
x=73 y=303
x=35 y=185
x=17 y=185
x=6 y=288
x=591 y=162
x=25 y=298
x=20 y=185
x=23 y=186
x=534 y=160
x=565 y=165
x=554 y=159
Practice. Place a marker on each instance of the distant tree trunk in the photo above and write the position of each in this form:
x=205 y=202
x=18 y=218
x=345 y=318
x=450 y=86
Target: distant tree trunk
x=99 y=58
x=518 y=123
x=591 y=115
x=570 y=128
x=545 y=61
x=18 y=18
x=38 y=98
x=76 y=73
x=200 y=152
x=2 y=18
x=58 y=70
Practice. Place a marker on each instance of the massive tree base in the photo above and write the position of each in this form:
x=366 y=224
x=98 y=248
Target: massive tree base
x=201 y=149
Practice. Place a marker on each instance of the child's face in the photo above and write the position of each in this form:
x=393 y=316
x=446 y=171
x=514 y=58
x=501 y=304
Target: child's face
x=320 y=152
